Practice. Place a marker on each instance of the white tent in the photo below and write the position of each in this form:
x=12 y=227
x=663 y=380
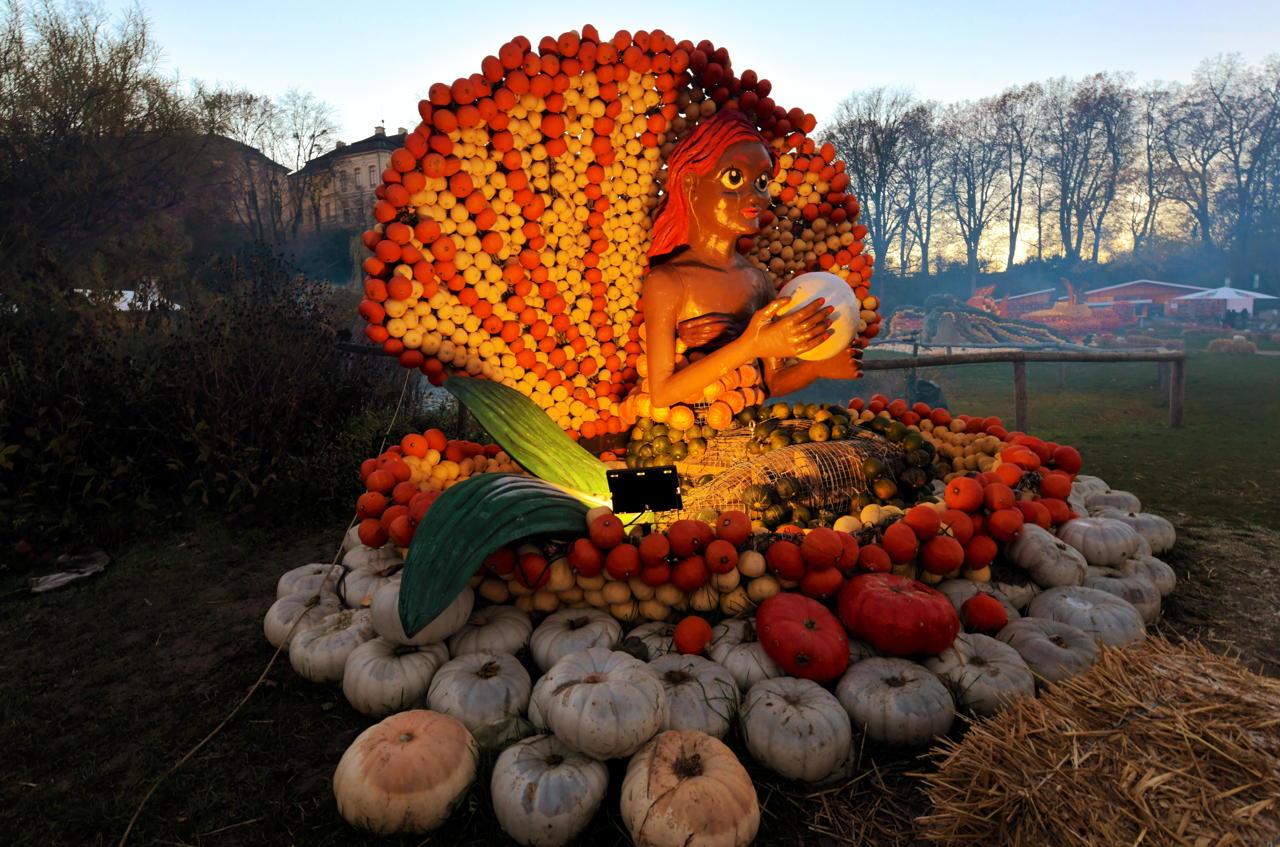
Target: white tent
x=1236 y=300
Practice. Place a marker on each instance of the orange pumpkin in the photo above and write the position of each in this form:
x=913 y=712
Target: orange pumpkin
x=406 y=773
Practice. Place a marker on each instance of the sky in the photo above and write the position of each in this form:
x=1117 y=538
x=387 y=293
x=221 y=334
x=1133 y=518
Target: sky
x=373 y=62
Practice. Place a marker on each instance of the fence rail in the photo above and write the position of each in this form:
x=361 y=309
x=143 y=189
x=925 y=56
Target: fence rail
x=1173 y=371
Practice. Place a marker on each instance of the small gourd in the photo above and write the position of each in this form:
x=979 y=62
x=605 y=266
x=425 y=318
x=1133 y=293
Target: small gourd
x=545 y=793
x=1109 y=619
x=983 y=673
x=896 y=701
x=571 y=631
x=381 y=677
x=797 y=728
x=701 y=695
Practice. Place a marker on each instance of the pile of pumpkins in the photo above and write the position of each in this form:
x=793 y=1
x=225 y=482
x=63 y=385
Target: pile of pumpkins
x=896 y=661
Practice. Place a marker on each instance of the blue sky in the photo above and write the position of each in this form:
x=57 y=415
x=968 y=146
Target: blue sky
x=373 y=62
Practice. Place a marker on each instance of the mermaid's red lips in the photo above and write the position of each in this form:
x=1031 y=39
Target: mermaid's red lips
x=751 y=212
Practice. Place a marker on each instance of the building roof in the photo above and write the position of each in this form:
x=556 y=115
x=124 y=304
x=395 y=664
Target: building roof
x=1144 y=282
x=221 y=144
x=378 y=141
x=1031 y=293
x=1226 y=292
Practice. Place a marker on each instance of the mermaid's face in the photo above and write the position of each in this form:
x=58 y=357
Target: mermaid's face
x=731 y=196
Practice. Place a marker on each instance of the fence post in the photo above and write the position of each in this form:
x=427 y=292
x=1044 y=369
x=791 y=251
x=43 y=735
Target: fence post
x=1020 y=396
x=1177 y=390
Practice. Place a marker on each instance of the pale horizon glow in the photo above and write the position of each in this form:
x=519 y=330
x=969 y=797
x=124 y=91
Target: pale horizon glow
x=367 y=64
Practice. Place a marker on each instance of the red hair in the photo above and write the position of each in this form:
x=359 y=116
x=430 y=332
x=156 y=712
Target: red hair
x=696 y=153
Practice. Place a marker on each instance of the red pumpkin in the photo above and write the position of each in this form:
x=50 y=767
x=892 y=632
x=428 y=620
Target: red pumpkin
x=897 y=615
x=802 y=637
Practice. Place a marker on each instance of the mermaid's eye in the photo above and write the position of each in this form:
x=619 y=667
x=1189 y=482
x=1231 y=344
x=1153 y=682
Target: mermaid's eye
x=732 y=178
x=762 y=182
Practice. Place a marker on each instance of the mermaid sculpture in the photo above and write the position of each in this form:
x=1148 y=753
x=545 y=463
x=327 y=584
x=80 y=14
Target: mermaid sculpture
x=702 y=291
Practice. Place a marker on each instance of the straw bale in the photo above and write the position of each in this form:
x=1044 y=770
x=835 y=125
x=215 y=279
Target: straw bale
x=1232 y=345
x=1155 y=744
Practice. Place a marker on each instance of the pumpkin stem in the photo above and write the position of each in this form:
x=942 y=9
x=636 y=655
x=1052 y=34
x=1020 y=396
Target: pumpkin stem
x=554 y=759
x=578 y=623
x=1057 y=641
x=677 y=676
x=979 y=661
x=405 y=737
x=489 y=670
x=809 y=623
x=895 y=681
x=592 y=678
x=687 y=767
x=404 y=650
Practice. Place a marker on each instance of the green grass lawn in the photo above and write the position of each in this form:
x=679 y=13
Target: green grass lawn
x=1223 y=463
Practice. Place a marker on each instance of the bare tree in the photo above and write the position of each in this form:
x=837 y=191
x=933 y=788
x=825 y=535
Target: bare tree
x=974 y=163
x=1152 y=172
x=1086 y=141
x=921 y=181
x=1016 y=113
x=869 y=130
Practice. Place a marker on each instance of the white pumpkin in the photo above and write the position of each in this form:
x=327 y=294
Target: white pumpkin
x=572 y=631
x=384 y=560
x=959 y=590
x=1160 y=574
x=896 y=701
x=505 y=629
x=859 y=650
x=983 y=673
x=1110 y=499
x=351 y=540
x=278 y=625
x=1014 y=583
x=1134 y=587
x=701 y=695
x=381 y=677
x=1105 y=542
x=1084 y=484
x=734 y=647
x=309 y=578
x=1052 y=649
x=544 y=793
x=1110 y=619
x=1158 y=532
x=406 y=773
x=487 y=691
x=797 y=728
x=386 y=616
x=657 y=636
x=357 y=587
x=320 y=653
x=536 y=713
x=1048 y=560
x=602 y=702
x=687 y=788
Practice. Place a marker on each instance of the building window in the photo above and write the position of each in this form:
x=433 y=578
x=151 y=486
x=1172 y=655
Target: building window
x=357 y=173
x=373 y=178
x=342 y=181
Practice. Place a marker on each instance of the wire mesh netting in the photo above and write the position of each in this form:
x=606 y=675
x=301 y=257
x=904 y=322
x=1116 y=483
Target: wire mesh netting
x=827 y=474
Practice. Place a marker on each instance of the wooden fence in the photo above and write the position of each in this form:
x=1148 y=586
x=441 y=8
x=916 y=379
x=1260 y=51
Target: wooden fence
x=1173 y=371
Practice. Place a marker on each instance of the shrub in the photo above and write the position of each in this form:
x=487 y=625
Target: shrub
x=238 y=403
